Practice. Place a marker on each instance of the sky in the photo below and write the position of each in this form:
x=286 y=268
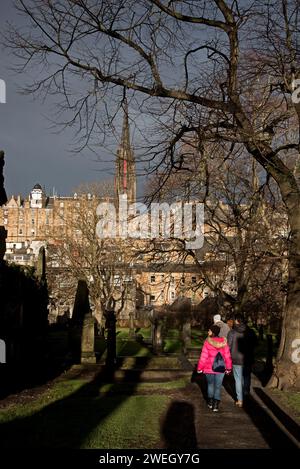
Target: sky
x=34 y=152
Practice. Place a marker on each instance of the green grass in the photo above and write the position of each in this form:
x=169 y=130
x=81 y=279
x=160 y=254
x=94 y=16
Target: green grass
x=119 y=388
x=172 y=346
x=131 y=348
x=122 y=428
x=289 y=399
x=198 y=337
x=81 y=414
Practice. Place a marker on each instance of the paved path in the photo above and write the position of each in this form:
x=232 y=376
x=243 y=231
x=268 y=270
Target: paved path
x=189 y=423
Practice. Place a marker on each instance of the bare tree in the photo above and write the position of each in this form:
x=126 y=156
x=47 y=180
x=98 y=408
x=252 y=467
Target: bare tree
x=200 y=63
x=246 y=232
x=103 y=263
x=100 y=189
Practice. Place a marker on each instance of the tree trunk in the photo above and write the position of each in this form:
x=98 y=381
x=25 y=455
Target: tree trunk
x=287 y=368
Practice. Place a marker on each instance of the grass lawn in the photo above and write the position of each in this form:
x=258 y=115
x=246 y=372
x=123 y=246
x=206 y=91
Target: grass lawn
x=290 y=400
x=82 y=414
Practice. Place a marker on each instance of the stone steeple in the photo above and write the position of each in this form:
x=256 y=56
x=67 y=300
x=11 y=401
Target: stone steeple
x=125 y=179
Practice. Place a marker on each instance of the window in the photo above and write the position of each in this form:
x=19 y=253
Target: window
x=32 y=221
x=20 y=231
x=205 y=293
x=152 y=279
x=182 y=280
x=233 y=278
x=172 y=295
x=32 y=232
x=172 y=280
x=152 y=298
x=194 y=279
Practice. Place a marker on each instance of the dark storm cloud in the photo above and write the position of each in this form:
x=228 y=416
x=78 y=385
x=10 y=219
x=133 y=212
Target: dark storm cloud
x=34 y=153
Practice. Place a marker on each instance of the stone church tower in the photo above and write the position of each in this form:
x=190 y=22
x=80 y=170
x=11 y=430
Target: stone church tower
x=125 y=179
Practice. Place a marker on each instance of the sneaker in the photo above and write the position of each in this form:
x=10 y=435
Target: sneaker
x=239 y=403
x=210 y=403
x=215 y=406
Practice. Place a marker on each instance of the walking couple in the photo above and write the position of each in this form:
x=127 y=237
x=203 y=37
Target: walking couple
x=223 y=351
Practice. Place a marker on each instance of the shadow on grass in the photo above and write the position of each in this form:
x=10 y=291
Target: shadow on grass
x=68 y=422
x=17 y=377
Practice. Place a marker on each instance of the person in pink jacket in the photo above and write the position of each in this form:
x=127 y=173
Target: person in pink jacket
x=214 y=362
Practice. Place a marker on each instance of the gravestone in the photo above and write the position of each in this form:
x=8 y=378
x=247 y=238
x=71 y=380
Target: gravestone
x=157 y=336
x=88 y=340
x=110 y=326
x=186 y=335
x=41 y=264
x=82 y=335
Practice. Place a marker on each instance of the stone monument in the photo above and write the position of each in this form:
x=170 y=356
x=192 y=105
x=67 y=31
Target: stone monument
x=82 y=326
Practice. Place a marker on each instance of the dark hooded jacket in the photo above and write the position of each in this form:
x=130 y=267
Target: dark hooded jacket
x=242 y=341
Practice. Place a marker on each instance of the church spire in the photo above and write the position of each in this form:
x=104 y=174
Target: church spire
x=125 y=164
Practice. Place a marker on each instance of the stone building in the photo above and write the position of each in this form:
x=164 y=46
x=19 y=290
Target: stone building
x=49 y=221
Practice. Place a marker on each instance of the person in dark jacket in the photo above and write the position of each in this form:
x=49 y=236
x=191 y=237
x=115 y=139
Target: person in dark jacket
x=241 y=341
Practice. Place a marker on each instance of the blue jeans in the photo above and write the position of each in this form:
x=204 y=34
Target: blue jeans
x=214 y=385
x=242 y=377
x=239 y=381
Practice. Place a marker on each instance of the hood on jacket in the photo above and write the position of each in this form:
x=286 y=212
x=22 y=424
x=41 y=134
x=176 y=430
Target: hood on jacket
x=240 y=327
x=217 y=342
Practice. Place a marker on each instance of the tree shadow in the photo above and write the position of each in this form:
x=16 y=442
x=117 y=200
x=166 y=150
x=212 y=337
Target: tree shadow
x=289 y=423
x=229 y=386
x=200 y=380
x=68 y=422
x=271 y=433
x=178 y=429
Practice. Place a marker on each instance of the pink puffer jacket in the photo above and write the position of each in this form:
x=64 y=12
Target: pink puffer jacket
x=211 y=347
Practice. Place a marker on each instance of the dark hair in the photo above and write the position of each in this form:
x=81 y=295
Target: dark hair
x=215 y=330
x=239 y=318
